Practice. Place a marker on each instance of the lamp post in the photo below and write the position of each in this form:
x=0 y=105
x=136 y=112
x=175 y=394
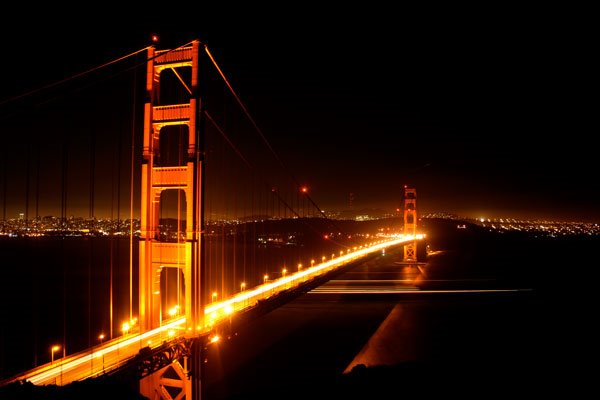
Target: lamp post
x=242 y=288
x=125 y=328
x=52 y=350
x=214 y=296
x=101 y=338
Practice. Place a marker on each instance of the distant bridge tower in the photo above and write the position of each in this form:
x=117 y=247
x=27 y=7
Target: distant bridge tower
x=182 y=175
x=410 y=223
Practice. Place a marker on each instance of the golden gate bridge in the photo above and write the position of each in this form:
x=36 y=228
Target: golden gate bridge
x=221 y=218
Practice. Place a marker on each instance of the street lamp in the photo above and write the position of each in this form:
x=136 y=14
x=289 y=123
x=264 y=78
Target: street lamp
x=174 y=311
x=101 y=337
x=52 y=350
x=242 y=286
x=299 y=267
x=214 y=296
x=283 y=272
x=125 y=328
x=265 y=278
x=312 y=263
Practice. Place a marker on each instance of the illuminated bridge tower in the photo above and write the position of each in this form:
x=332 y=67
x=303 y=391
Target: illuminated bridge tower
x=410 y=223
x=162 y=176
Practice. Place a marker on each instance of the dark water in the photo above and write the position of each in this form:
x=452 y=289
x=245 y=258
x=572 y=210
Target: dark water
x=478 y=344
x=447 y=345
x=530 y=343
x=57 y=290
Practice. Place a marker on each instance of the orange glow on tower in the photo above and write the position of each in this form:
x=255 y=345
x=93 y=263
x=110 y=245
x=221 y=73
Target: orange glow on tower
x=410 y=222
x=156 y=252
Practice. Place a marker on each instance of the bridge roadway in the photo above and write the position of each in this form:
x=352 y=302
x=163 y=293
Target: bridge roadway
x=114 y=353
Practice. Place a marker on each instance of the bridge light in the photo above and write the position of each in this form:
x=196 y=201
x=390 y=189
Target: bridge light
x=265 y=278
x=283 y=272
x=299 y=267
x=52 y=350
x=215 y=339
x=242 y=286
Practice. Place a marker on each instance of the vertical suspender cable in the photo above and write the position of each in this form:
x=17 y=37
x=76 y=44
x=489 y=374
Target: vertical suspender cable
x=180 y=229
x=36 y=292
x=63 y=215
x=92 y=220
x=37 y=183
x=119 y=161
x=132 y=165
x=224 y=193
x=112 y=251
x=4 y=184
x=27 y=173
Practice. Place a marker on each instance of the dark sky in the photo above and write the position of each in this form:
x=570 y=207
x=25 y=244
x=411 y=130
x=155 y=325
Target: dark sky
x=475 y=107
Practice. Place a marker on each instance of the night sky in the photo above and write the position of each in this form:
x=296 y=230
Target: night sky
x=476 y=108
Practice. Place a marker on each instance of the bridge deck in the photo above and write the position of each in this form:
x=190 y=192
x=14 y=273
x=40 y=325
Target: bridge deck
x=117 y=352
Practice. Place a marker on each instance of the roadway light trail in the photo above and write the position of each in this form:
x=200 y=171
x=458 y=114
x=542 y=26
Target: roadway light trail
x=264 y=291
x=116 y=352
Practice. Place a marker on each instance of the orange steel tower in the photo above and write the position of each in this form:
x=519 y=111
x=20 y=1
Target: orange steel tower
x=410 y=223
x=180 y=67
